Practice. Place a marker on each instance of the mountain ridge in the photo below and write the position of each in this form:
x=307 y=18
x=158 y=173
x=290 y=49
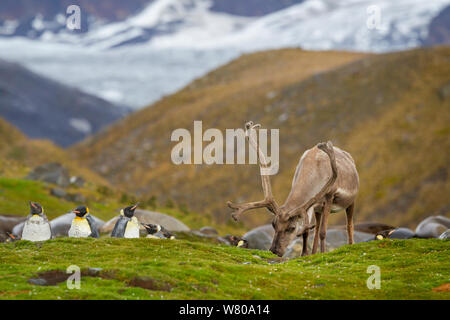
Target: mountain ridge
x=44 y=108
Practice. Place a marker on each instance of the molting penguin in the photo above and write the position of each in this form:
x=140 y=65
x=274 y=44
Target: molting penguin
x=156 y=231
x=237 y=241
x=398 y=233
x=36 y=227
x=83 y=225
x=127 y=226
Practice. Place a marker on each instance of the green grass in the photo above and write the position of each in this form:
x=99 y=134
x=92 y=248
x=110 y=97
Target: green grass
x=180 y=269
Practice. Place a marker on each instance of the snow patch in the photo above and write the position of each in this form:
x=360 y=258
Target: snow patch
x=82 y=125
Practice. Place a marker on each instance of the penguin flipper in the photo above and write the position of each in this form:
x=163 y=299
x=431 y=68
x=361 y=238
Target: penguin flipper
x=119 y=228
x=94 y=230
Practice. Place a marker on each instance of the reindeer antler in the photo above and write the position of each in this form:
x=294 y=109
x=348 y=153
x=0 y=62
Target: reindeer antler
x=269 y=201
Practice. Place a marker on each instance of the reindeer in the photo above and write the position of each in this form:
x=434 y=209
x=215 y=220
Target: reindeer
x=325 y=181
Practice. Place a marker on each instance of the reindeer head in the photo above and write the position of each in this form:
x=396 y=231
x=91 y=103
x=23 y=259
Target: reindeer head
x=285 y=231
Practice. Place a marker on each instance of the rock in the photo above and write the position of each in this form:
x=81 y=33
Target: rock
x=72 y=197
x=38 y=282
x=51 y=173
x=60 y=225
x=295 y=248
x=77 y=181
x=260 y=237
x=150 y=217
x=445 y=235
x=76 y=197
x=209 y=231
x=432 y=227
x=58 y=192
x=335 y=239
x=7 y=224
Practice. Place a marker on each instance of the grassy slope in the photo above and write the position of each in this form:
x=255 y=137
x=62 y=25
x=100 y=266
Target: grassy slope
x=378 y=108
x=180 y=269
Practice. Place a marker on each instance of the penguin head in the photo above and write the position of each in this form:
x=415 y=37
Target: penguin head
x=152 y=228
x=129 y=211
x=242 y=243
x=385 y=234
x=81 y=211
x=36 y=209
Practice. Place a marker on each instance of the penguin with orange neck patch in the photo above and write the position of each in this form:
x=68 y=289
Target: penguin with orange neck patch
x=83 y=225
x=36 y=227
x=127 y=226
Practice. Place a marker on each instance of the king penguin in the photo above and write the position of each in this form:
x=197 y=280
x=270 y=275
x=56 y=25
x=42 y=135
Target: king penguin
x=127 y=226
x=156 y=231
x=83 y=225
x=36 y=227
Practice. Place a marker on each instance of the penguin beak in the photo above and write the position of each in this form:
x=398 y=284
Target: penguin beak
x=135 y=206
x=75 y=211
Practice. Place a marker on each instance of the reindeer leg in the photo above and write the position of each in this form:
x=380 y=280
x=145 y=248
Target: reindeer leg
x=307 y=226
x=349 y=212
x=316 y=232
x=324 y=223
x=307 y=216
x=305 y=243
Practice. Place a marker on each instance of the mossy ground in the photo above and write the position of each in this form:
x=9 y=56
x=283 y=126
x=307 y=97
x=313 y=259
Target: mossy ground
x=180 y=269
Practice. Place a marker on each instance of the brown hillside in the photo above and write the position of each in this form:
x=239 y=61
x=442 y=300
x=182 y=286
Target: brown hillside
x=389 y=111
x=18 y=154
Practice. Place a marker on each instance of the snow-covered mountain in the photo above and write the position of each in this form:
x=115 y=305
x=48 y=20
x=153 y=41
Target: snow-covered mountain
x=147 y=48
x=364 y=25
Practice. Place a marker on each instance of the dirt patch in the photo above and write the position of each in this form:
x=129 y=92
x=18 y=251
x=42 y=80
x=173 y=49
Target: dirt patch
x=54 y=277
x=442 y=288
x=49 y=278
x=149 y=284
